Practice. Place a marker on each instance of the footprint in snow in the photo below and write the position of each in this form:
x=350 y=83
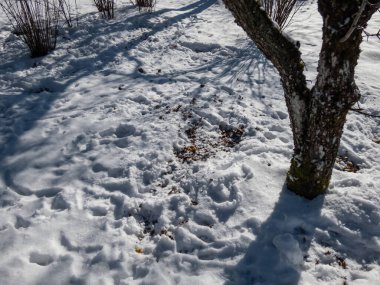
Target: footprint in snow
x=124 y=130
x=59 y=203
x=40 y=258
x=70 y=246
x=99 y=211
x=204 y=219
x=21 y=222
x=289 y=248
x=25 y=191
x=269 y=135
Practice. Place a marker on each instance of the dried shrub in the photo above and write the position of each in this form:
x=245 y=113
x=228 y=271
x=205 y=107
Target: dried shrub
x=66 y=11
x=281 y=11
x=145 y=5
x=35 y=21
x=106 y=8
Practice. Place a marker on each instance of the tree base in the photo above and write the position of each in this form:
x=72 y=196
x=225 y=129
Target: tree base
x=307 y=183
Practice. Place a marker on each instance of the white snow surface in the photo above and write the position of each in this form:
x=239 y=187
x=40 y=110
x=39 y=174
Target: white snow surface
x=92 y=190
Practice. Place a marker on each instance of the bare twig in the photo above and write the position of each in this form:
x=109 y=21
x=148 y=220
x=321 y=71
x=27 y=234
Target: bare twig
x=65 y=10
x=360 y=111
x=368 y=35
x=376 y=4
x=281 y=11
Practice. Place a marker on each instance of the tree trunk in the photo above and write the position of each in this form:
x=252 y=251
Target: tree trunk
x=318 y=115
x=332 y=96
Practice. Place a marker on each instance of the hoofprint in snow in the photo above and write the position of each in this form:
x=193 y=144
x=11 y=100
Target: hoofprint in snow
x=153 y=148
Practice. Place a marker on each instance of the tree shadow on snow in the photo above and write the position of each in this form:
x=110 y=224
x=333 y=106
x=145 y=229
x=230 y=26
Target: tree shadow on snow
x=281 y=245
x=139 y=21
x=21 y=112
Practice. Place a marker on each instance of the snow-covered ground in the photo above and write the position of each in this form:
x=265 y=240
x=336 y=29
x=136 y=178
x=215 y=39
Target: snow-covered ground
x=152 y=149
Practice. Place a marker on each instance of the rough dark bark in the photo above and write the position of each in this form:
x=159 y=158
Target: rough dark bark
x=317 y=115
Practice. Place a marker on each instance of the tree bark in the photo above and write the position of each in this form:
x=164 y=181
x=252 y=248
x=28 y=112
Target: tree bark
x=317 y=116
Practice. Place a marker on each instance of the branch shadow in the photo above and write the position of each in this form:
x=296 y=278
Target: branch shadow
x=22 y=110
x=281 y=245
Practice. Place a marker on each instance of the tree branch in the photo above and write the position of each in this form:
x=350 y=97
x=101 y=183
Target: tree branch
x=360 y=111
x=283 y=52
x=376 y=5
x=355 y=22
x=277 y=47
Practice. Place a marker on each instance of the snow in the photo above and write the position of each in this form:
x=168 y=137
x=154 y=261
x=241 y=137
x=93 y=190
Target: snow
x=99 y=183
x=287 y=245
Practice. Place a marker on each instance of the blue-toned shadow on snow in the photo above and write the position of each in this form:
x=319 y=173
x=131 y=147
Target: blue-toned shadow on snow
x=20 y=113
x=281 y=245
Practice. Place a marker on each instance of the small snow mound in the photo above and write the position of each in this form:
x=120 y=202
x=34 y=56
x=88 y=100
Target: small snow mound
x=289 y=247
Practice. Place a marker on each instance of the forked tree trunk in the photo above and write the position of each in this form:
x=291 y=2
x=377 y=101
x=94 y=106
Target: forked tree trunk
x=317 y=115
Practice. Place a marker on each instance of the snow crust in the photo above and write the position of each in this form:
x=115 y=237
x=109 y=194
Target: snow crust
x=92 y=190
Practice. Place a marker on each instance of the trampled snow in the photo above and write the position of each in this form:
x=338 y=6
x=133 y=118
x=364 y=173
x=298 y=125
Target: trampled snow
x=153 y=148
